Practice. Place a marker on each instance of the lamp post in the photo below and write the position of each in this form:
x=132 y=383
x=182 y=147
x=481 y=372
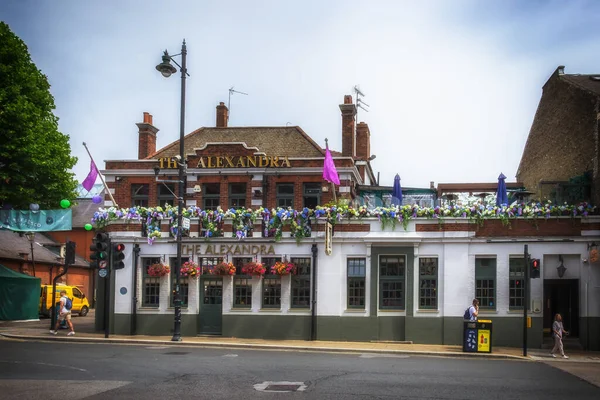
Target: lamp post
x=166 y=69
x=31 y=238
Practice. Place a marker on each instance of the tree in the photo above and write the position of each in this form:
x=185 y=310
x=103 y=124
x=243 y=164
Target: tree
x=35 y=158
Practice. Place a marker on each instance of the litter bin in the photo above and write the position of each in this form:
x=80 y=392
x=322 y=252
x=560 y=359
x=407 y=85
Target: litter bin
x=477 y=336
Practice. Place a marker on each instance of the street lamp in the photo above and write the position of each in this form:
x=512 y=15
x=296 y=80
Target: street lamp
x=31 y=237
x=166 y=69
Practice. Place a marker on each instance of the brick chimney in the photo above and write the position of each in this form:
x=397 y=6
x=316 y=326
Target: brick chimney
x=222 y=115
x=147 y=137
x=363 y=141
x=348 y=139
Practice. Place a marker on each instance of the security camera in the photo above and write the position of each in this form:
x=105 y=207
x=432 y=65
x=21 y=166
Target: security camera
x=197 y=189
x=178 y=158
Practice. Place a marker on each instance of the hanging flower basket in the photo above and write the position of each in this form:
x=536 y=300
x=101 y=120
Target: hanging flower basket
x=283 y=268
x=223 y=268
x=190 y=269
x=254 y=268
x=158 y=269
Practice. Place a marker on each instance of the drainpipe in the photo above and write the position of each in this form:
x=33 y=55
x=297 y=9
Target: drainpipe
x=136 y=253
x=313 y=319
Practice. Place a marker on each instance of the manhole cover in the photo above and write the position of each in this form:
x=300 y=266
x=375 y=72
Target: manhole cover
x=280 y=387
x=176 y=353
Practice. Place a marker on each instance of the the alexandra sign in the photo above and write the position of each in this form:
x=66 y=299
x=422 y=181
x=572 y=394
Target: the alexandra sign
x=261 y=161
x=227 y=249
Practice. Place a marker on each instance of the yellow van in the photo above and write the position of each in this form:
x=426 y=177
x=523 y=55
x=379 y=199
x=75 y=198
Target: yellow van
x=81 y=305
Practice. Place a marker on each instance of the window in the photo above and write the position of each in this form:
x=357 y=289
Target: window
x=428 y=277
x=516 y=288
x=271 y=294
x=166 y=194
x=485 y=283
x=237 y=195
x=285 y=195
x=211 y=195
x=77 y=293
x=357 y=268
x=391 y=282
x=139 y=195
x=242 y=286
x=213 y=291
x=301 y=283
x=207 y=263
x=151 y=284
x=268 y=262
x=312 y=195
x=183 y=282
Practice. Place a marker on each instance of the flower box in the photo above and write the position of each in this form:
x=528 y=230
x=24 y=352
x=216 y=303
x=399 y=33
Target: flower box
x=223 y=268
x=283 y=268
x=190 y=269
x=254 y=269
x=158 y=269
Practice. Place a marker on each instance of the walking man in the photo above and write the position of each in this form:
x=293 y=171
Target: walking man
x=557 y=333
x=65 y=313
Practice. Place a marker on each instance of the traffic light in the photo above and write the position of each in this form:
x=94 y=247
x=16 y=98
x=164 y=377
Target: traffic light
x=535 y=268
x=118 y=256
x=99 y=250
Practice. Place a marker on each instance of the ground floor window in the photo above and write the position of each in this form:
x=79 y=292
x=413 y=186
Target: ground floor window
x=391 y=282
x=150 y=284
x=485 y=283
x=271 y=292
x=242 y=292
x=183 y=283
x=428 y=282
x=516 y=275
x=301 y=283
x=356 y=268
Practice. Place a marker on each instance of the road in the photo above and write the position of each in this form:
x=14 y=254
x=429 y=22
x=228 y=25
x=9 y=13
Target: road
x=62 y=370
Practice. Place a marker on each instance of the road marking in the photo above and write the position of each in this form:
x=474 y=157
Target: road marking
x=46 y=364
x=157 y=347
x=382 y=356
x=230 y=355
x=280 y=387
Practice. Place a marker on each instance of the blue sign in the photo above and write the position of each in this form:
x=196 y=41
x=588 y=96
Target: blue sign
x=471 y=340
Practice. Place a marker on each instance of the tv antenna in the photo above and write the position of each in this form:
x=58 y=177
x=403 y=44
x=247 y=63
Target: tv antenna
x=231 y=91
x=359 y=102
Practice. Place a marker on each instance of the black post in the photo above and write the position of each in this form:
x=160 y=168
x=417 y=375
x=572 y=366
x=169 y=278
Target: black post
x=54 y=316
x=107 y=301
x=313 y=319
x=177 y=296
x=136 y=254
x=525 y=298
x=32 y=257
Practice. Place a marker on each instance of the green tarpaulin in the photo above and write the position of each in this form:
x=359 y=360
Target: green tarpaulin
x=19 y=295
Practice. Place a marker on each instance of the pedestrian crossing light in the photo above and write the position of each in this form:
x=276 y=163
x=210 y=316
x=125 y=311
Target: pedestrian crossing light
x=99 y=249
x=535 y=268
x=118 y=256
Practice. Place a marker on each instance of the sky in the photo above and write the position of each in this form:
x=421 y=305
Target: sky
x=452 y=86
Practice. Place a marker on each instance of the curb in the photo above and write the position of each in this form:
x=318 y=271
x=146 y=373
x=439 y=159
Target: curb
x=256 y=346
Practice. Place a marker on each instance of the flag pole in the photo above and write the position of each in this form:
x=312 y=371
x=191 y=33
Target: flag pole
x=332 y=184
x=101 y=177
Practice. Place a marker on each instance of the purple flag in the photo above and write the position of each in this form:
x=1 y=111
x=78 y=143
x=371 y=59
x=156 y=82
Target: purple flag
x=88 y=183
x=329 y=172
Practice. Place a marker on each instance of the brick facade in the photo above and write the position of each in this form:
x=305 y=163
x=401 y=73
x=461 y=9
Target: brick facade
x=563 y=140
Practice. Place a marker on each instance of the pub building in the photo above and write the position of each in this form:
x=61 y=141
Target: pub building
x=368 y=282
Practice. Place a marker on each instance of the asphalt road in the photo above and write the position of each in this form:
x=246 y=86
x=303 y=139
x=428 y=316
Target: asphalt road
x=43 y=370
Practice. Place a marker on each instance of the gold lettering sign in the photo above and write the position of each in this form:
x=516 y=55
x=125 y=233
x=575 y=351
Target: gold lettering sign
x=241 y=162
x=167 y=162
x=227 y=249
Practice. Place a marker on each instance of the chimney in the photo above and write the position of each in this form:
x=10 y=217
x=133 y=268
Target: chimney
x=363 y=141
x=222 y=115
x=348 y=139
x=147 y=137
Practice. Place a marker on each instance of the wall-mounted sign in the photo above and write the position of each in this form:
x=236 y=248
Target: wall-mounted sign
x=243 y=162
x=226 y=249
x=328 y=236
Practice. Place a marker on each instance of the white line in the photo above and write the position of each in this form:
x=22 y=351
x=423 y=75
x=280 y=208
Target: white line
x=40 y=363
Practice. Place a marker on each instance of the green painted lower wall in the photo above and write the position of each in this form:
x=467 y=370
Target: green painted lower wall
x=352 y=329
x=589 y=333
x=424 y=330
x=391 y=328
x=154 y=324
x=278 y=327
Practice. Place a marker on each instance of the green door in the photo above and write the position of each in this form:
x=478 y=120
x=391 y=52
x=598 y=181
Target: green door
x=210 y=318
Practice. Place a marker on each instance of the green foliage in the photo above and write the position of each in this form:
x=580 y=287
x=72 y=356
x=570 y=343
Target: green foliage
x=35 y=158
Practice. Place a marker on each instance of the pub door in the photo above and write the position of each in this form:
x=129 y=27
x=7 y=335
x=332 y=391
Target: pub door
x=210 y=319
x=562 y=296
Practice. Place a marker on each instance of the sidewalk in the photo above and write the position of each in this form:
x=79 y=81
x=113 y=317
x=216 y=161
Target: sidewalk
x=39 y=330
